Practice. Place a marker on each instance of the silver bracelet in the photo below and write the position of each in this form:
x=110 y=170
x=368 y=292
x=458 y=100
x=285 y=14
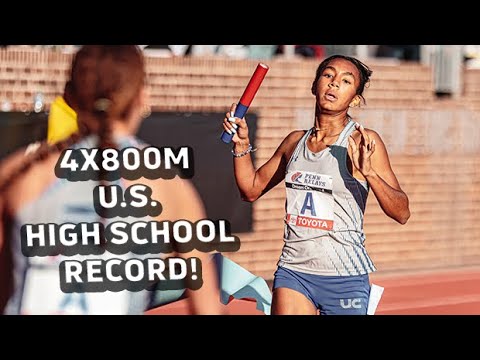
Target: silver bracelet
x=249 y=150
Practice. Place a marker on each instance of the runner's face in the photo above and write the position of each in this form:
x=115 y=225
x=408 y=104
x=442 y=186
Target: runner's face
x=337 y=86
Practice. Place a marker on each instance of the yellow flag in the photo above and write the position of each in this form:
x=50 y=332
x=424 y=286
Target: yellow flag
x=62 y=121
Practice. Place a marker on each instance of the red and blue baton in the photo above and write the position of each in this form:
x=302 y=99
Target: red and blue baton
x=247 y=97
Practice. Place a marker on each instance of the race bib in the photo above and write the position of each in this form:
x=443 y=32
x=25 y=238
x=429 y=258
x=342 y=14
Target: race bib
x=309 y=200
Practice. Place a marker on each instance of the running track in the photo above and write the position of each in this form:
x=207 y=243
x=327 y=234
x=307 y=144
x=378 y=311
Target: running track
x=447 y=292
x=454 y=292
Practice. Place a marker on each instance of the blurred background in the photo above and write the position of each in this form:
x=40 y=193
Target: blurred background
x=423 y=100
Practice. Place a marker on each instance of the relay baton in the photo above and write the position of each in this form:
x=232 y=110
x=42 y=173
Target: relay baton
x=247 y=97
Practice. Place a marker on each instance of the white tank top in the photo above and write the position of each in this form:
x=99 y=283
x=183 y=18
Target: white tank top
x=36 y=279
x=325 y=206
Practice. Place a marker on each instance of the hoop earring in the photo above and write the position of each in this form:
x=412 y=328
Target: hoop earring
x=147 y=111
x=354 y=104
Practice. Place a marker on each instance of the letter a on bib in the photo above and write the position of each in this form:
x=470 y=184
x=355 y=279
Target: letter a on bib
x=308 y=204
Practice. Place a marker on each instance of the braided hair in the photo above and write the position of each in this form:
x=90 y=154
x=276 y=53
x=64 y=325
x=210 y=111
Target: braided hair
x=104 y=82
